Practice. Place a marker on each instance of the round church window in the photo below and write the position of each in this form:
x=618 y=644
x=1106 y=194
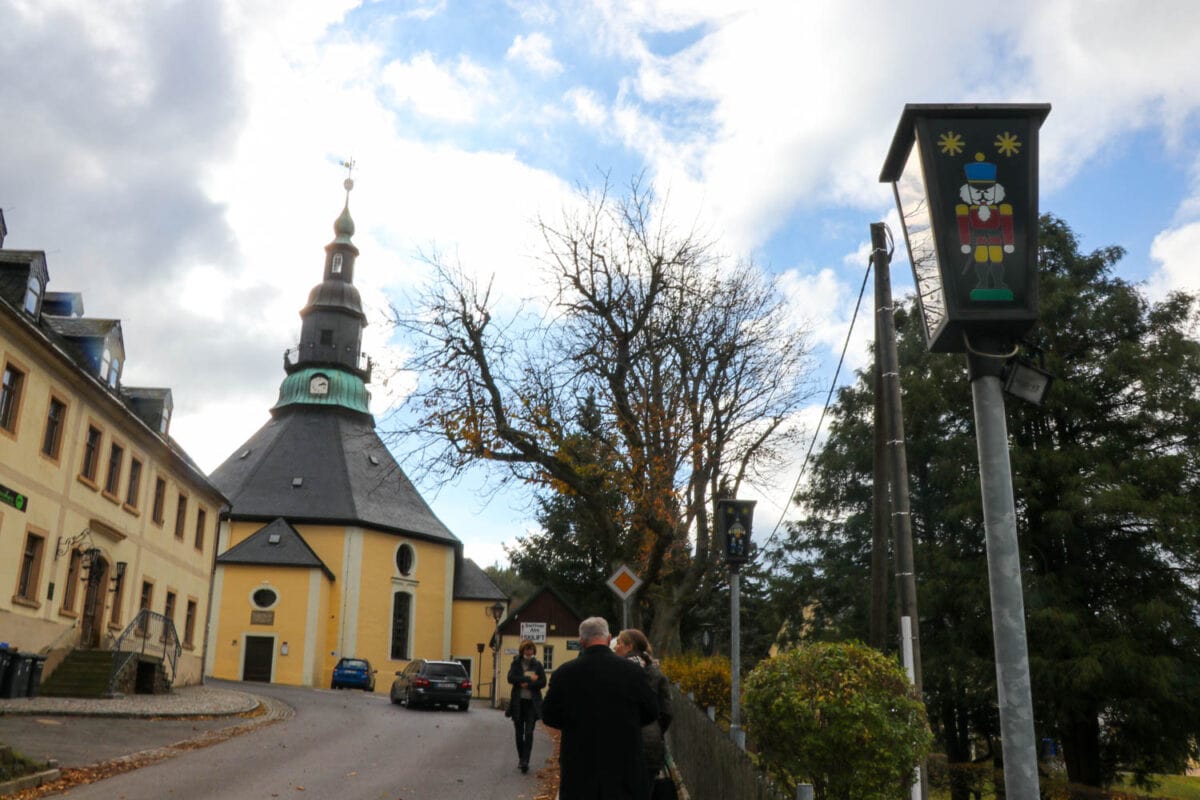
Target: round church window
x=404 y=559
x=264 y=598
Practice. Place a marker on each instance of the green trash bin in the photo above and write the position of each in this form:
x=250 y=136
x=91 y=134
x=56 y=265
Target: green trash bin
x=16 y=677
x=36 y=664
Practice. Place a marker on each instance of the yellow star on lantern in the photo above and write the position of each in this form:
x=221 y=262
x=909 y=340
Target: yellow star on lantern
x=950 y=143
x=1007 y=144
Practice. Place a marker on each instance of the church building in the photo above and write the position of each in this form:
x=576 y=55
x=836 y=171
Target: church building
x=327 y=549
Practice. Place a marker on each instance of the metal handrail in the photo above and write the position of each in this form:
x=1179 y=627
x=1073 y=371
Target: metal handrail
x=139 y=637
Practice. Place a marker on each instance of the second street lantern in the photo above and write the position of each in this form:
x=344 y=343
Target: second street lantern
x=734 y=521
x=968 y=199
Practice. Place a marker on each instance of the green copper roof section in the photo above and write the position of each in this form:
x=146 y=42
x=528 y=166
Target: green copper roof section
x=344 y=389
x=343 y=228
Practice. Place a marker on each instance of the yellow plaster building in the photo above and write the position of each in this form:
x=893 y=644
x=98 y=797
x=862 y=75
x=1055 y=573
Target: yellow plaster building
x=328 y=550
x=101 y=513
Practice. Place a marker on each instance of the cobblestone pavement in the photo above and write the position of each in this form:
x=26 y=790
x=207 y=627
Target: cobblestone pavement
x=186 y=701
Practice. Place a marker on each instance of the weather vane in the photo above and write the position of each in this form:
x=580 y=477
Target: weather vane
x=349 y=182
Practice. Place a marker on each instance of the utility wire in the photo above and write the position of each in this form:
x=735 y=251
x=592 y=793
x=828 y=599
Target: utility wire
x=828 y=397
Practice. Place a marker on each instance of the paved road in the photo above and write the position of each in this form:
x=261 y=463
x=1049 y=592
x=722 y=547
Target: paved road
x=340 y=745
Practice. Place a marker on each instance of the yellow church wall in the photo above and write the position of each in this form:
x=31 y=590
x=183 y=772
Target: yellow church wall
x=285 y=620
x=354 y=614
x=474 y=625
x=67 y=511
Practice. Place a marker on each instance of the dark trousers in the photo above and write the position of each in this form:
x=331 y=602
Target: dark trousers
x=523 y=723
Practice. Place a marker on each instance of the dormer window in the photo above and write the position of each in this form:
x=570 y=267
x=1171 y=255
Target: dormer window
x=165 y=422
x=105 y=363
x=114 y=372
x=33 y=293
x=336 y=267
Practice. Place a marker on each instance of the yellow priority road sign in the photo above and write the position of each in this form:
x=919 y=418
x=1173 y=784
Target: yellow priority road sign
x=624 y=582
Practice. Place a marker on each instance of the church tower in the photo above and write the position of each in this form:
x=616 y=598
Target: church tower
x=328 y=367
x=328 y=550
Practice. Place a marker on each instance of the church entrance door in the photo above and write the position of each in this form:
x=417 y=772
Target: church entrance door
x=260 y=650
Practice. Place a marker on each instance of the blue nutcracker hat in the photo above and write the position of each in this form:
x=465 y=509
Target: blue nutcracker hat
x=981 y=171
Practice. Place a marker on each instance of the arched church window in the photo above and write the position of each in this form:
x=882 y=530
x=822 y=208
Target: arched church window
x=337 y=264
x=401 y=624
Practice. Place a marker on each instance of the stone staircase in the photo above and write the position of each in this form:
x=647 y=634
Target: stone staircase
x=83 y=673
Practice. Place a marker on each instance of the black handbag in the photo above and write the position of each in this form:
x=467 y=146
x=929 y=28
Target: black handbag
x=664 y=789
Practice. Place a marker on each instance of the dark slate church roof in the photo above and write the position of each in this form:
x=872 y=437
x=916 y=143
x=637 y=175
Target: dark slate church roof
x=325 y=465
x=472 y=583
x=277 y=544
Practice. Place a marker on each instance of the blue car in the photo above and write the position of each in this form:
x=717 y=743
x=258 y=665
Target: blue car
x=353 y=673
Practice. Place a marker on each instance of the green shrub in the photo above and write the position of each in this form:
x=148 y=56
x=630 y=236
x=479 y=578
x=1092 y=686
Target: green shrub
x=705 y=677
x=840 y=716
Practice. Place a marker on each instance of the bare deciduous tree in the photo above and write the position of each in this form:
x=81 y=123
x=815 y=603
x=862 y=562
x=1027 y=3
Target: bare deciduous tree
x=696 y=364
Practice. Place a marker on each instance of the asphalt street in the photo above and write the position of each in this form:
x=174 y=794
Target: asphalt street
x=343 y=744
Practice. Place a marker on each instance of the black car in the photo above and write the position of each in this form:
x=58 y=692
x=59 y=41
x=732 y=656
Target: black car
x=426 y=683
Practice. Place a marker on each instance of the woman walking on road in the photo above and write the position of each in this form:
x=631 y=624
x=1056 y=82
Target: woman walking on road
x=633 y=645
x=528 y=678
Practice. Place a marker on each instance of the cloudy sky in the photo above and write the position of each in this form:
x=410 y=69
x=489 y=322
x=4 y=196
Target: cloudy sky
x=178 y=159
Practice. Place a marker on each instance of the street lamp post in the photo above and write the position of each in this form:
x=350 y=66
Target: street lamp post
x=965 y=181
x=497 y=611
x=734 y=521
x=479 y=669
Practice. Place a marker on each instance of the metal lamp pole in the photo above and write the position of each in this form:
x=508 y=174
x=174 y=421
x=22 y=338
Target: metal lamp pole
x=965 y=180
x=734 y=522
x=497 y=610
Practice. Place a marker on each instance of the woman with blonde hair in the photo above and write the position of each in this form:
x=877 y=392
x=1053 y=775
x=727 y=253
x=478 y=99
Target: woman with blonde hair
x=633 y=645
x=528 y=678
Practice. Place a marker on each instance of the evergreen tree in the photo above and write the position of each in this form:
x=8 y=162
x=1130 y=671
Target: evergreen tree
x=1105 y=478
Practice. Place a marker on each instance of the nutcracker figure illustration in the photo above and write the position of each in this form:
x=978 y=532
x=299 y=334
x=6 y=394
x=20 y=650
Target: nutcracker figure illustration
x=985 y=229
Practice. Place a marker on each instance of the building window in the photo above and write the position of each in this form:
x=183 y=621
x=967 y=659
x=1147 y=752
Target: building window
x=114 y=372
x=116 y=457
x=548 y=656
x=404 y=559
x=169 y=607
x=91 y=454
x=327 y=337
x=118 y=601
x=189 y=623
x=30 y=573
x=135 y=483
x=337 y=264
x=56 y=416
x=401 y=610
x=160 y=500
x=10 y=397
x=74 y=567
x=105 y=360
x=33 y=293
x=264 y=598
x=165 y=422
x=180 y=516
x=201 y=521
x=144 y=605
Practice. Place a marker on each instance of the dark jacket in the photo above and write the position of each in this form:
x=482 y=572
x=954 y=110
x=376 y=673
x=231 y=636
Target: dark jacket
x=600 y=702
x=515 y=676
x=654 y=748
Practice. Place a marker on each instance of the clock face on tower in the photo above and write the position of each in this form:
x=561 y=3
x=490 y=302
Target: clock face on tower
x=318 y=385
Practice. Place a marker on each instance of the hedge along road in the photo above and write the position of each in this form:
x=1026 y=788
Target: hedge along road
x=344 y=744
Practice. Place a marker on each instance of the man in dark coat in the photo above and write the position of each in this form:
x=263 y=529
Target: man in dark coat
x=600 y=702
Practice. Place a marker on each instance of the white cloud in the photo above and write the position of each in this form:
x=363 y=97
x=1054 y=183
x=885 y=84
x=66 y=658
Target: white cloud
x=1175 y=250
x=450 y=94
x=586 y=107
x=536 y=52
